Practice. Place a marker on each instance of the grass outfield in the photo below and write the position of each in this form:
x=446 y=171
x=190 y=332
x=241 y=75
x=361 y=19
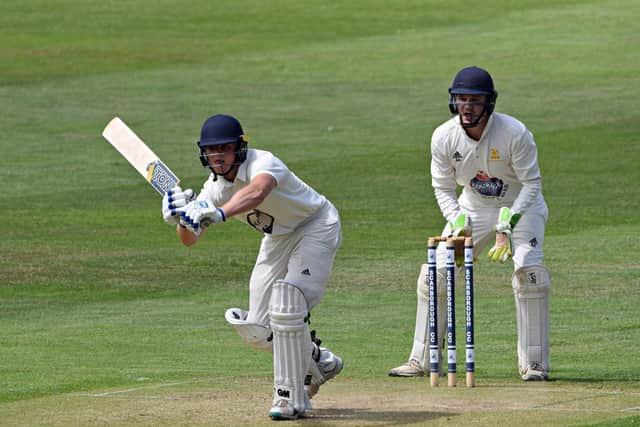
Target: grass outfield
x=105 y=319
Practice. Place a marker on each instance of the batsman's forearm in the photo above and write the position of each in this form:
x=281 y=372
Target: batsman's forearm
x=244 y=203
x=249 y=197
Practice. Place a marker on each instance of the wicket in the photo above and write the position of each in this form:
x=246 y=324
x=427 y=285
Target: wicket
x=434 y=362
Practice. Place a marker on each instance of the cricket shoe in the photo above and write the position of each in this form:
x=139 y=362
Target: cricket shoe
x=410 y=369
x=534 y=372
x=283 y=410
x=324 y=366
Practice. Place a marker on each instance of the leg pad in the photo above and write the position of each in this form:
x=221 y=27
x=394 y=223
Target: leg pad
x=291 y=345
x=531 y=288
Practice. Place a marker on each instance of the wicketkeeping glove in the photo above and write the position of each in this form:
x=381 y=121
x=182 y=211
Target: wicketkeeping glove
x=461 y=226
x=502 y=250
x=173 y=200
x=199 y=214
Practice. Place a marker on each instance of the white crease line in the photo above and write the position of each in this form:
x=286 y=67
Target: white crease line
x=595 y=393
x=153 y=386
x=129 y=390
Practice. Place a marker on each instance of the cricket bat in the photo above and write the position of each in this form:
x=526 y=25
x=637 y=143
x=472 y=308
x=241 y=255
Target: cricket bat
x=140 y=156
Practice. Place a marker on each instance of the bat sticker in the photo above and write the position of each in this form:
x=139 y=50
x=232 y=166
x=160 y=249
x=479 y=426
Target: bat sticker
x=161 y=177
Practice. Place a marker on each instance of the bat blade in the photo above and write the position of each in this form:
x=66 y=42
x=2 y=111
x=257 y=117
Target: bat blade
x=145 y=161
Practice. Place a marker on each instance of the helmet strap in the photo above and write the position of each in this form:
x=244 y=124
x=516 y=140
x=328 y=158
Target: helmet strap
x=477 y=121
x=234 y=165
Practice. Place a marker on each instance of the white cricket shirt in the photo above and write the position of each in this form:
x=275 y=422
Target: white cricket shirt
x=288 y=205
x=501 y=169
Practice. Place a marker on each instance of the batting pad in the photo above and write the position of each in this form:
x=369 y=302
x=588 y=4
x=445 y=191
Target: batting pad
x=291 y=343
x=258 y=336
x=531 y=288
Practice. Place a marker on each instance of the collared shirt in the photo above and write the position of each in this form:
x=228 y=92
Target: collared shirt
x=288 y=205
x=501 y=169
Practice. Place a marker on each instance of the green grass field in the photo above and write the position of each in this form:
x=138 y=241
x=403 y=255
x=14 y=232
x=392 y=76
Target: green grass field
x=105 y=319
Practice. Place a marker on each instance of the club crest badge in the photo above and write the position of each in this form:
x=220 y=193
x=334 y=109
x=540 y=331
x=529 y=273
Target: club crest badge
x=261 y=221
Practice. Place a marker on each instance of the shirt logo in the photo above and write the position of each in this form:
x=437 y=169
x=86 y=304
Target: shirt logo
x=486 y=186
x=494 y=154
x=457 y=156
x=261 y=221
x=306 y=272
x=533 y=242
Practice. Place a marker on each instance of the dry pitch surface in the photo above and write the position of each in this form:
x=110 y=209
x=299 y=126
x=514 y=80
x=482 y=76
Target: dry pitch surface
x=345 y=402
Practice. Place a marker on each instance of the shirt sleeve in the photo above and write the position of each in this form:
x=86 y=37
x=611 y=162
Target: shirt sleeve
x=525 y=165
x=271 y=165
x=206 y=193
x=443 y=179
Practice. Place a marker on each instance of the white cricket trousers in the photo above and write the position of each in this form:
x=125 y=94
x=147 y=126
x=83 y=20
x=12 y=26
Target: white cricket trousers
x=303 y=258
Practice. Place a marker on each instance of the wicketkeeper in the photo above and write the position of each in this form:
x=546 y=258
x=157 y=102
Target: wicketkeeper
x=494 y=158
x=302 y=233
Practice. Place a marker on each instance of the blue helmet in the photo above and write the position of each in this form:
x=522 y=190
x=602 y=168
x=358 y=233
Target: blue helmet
x=473 y=81
x=222 y=129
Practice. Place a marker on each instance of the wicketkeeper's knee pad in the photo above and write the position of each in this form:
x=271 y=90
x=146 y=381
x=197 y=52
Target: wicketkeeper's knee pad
x=531 y=288
x=291 y=343
x=258 y=336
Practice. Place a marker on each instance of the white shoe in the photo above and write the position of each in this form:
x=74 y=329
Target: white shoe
x=327 y=366
x=534 y=372
x=282 y=410
x=410 y=369
x=307 y=402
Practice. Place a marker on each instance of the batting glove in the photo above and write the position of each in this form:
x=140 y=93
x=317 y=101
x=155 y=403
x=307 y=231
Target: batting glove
x=502 y=250
x=199 y=214
x=173 y=200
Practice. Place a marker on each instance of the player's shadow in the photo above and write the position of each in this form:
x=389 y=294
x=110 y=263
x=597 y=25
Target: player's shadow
x=380 y=418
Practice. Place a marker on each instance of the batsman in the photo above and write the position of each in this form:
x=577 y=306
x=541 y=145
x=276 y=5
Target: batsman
x=494 y=158
x=301 y=234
